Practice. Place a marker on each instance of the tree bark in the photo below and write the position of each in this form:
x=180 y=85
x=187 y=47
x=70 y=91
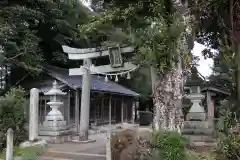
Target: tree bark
x=153 y=77
x=167 y=99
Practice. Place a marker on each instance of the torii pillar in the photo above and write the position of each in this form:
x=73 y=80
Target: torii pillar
x=85 y=101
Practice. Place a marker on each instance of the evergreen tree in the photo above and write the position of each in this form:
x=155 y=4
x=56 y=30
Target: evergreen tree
x=32 y=31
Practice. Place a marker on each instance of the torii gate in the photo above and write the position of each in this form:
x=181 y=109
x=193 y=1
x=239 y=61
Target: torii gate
x=86 y=54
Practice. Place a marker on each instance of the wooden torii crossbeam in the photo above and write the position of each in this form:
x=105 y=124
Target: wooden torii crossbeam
x=86 y=55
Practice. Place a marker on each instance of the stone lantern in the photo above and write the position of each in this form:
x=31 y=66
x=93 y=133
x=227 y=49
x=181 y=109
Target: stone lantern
x=196 y=112
x=55 y=103
x=54 y=127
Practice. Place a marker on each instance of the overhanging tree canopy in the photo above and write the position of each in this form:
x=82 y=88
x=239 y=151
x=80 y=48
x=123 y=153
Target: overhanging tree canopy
x=154 y=27
x=217 y=24
x=32 y=32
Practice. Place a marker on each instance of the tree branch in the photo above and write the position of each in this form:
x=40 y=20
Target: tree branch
x=11 y=58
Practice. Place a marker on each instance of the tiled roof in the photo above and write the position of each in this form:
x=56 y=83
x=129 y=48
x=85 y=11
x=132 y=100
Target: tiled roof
x=98 y=83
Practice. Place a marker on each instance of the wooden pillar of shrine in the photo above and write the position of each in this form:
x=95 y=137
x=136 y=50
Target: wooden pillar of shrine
x=68 y=107
x=122 y=110
x=77 y=112
x=210 y=107
x=110 y=110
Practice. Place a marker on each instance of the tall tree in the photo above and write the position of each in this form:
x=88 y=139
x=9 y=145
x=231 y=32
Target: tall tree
x=157 y=29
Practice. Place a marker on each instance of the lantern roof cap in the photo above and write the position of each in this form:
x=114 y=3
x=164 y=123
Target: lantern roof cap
x=55 y=90
x=194 y=79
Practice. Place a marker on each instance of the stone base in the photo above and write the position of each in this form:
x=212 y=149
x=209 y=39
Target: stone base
x=57 y=139
x=197 y=128
x=198 y=131
x=196 y=124
x=200 y=116
x=53 y=125
x=55 y=132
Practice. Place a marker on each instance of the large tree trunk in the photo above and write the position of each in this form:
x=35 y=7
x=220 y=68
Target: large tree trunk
x=167 y=99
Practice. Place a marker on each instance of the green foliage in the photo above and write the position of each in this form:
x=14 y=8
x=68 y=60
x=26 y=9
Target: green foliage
x=136 y=82
x=161 y=44
x=229 y=146
x=165 y=145
x=29 y=153
x=155 y=28
x=32 y=32
x=12 y=116
x=228 y=143
x=226 y=120
x=224 y=69
x=170 y=145
x=219 y=22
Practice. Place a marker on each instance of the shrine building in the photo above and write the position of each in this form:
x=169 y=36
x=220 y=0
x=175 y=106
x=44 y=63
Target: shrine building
x=122 y=99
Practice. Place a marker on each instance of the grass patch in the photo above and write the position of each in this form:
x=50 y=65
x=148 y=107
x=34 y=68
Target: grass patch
x=29 y=153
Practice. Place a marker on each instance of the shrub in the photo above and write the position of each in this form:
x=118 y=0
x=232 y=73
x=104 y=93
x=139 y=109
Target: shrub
x=169 y=145
x=12 y=116
x=229 y=146
x=165 y=145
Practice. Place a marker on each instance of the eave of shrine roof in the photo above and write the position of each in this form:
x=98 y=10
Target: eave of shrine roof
x=98 y=83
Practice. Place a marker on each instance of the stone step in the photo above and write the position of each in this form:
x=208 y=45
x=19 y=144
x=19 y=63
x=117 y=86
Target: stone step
x=203 y=144
x=199 y=138
x=205 y=131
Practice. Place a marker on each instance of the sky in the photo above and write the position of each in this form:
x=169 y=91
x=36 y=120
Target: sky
x=204 y=65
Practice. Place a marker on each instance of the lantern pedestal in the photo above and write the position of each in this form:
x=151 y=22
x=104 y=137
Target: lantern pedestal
x=54 y=128
x=55 y=132
x=196 y=112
